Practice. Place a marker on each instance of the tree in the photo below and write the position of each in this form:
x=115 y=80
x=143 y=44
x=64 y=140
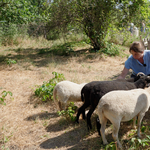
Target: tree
x=22 y=11
x=93 y=16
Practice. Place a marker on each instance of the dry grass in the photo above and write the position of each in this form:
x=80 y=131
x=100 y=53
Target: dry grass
x=26 y=123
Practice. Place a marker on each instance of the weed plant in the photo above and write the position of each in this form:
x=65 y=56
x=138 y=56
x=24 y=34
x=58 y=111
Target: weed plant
x=45 y=91
x=110 y=49
x=3 y=98
x=69 y=112
x=10 y=62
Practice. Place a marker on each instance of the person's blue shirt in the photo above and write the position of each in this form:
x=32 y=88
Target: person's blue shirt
x=136 y=66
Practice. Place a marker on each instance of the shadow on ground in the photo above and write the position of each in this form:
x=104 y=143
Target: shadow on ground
x=42 y=116
x=72 y=139
x=44 y=56
x=79 y=137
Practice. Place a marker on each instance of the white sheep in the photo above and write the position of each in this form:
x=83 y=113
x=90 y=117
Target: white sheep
x=121 y=106
x=67 y=91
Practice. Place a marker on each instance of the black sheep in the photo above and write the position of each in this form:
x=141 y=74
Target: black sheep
x=93 y=91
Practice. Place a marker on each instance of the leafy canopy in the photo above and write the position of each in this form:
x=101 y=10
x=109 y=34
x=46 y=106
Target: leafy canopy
x=94 y=17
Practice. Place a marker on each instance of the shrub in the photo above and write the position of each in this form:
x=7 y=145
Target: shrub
x=12 y=33
x=69 y=112
x=45 y=92
x=10 y=62
x=137 y=143
x=8 y=34
x=110 y=49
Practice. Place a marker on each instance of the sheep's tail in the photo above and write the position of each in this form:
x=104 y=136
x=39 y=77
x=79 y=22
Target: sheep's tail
x=82 y=95
x=100 y=112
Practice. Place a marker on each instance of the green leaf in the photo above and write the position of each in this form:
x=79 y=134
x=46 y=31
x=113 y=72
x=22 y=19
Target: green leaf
x=139 y=140
x=10 y=93
x=4 y=93
x=143 y=128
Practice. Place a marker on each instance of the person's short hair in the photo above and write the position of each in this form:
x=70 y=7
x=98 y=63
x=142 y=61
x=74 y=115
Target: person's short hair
x=137 y=47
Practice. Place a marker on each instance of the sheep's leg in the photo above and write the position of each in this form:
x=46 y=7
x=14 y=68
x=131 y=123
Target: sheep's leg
x=140 y=117
x=62 y=103
x=134 y=122
x=103 y=122
x=92 y=108
x=89 y=125
x=63 y=106
x=98 y=125
x=81 y=110
x=116 y=126
x=60 y=107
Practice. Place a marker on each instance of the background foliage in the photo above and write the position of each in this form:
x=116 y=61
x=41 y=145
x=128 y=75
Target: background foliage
x=60 y=18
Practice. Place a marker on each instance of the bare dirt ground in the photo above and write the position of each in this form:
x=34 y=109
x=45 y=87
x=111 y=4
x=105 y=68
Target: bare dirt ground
x=26 y=123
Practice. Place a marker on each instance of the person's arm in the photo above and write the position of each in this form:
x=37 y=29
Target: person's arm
x=124 y=73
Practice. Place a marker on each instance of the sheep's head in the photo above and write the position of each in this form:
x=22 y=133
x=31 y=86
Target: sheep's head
x=139 y=75
x=146 y=78
x=148 y=81
x=143 y=82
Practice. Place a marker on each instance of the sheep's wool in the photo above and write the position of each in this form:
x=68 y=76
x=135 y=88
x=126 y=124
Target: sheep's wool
x=125 y=104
